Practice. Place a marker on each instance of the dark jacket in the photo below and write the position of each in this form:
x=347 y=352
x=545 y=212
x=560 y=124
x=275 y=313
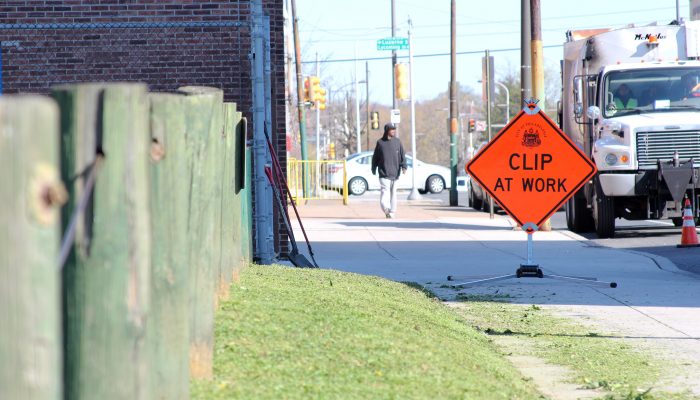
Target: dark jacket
x=388 y=158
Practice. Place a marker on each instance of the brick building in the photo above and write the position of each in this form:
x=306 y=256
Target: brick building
x=165 y=43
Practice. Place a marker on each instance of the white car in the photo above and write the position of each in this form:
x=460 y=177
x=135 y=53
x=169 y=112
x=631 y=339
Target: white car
x=429 y=177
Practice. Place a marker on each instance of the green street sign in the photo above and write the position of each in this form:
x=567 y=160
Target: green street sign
x=392 y=43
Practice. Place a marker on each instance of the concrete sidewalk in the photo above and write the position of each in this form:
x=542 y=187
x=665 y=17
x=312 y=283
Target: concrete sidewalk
x=654 y=301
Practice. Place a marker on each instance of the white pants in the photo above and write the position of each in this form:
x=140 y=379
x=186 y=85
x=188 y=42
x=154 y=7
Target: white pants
x=387 y=197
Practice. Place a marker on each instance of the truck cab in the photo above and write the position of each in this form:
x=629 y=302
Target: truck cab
x=631 y=101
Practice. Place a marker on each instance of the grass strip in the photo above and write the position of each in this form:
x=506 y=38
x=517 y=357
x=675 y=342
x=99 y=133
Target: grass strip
x=598 y=360
x=305 y=333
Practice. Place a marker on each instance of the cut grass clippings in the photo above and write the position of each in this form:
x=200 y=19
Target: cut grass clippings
x=308 y=333
x=599 y=361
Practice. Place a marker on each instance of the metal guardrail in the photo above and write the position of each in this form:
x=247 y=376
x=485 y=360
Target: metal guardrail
x=317 y=179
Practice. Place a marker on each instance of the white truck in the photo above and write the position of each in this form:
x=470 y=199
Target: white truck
x=631 y=101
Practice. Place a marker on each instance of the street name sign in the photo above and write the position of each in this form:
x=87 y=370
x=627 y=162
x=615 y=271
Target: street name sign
x=392 y=43
x=531 y=167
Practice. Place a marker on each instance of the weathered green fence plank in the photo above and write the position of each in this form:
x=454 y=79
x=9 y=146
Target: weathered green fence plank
x=106 y=281
x=230 y=249
x=247 y=205
x=204 y=113
x=31 y=193
x=169 y=317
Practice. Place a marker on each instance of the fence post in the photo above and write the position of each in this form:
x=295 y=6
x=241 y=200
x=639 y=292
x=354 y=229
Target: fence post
x=229 y=216
x=31 y=194
x=204 y=123
x=248 y=205
x=168 y=331
x=106 y=280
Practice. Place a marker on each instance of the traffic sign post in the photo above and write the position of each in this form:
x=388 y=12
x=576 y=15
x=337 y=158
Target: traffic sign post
x=531 y=168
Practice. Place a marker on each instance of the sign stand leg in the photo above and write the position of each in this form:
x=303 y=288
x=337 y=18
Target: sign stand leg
x=531 y=270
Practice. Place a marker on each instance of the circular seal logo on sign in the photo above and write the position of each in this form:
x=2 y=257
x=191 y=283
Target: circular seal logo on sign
x=531 y=135
x=531 y=138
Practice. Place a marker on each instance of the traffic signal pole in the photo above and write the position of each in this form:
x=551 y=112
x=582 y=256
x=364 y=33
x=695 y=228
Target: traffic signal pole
x=394 y=103
x=414 y=195
x=454 y=113
x=367 y=101
x=300 y=98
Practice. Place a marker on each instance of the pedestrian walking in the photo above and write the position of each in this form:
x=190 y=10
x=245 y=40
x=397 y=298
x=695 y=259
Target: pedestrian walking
x=389 y=159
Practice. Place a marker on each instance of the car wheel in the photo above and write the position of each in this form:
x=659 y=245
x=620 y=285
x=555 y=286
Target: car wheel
x=476 y=202
x=677 y=221
x=357 y=186
x=603 y=212
x=435 y=184
x=422 y=191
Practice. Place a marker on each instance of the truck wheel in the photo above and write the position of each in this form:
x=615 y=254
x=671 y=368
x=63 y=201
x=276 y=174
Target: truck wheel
x=578 y=217
x=603 y=212
x=476 y=202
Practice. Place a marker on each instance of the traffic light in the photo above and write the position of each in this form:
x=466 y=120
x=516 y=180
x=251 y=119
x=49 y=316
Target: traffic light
x=374 y=120
x=472 y=125
x=401 y=80
x=320 y=98
x=307 y=86
x=331 y=151
x=314 y=86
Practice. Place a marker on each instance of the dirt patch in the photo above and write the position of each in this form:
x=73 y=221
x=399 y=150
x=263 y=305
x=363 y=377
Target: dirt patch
x=553 y=381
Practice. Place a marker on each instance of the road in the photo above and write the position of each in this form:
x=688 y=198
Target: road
x=654 y=237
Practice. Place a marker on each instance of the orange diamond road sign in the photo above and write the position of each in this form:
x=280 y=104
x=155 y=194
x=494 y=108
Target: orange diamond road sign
x=531 y=167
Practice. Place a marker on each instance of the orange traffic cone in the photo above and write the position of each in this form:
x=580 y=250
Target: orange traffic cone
x=689 y=237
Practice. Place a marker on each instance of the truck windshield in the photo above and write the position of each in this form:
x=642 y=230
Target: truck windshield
x=654 y=89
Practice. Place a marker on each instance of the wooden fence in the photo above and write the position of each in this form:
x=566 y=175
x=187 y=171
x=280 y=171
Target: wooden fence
x=157 y=241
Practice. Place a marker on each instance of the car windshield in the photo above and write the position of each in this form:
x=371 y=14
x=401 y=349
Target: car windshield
x=647 y=90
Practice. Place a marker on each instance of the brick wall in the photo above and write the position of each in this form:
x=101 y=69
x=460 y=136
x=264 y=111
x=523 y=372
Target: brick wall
x=165 y=43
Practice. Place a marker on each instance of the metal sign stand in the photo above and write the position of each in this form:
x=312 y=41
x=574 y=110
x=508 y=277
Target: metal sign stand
x=531 y=270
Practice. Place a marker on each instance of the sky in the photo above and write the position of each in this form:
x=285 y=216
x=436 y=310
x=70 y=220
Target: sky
x=340 y=30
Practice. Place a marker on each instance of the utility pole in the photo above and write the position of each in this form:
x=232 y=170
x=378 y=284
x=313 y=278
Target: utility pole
x=537 y=56
x=487 y=61
x=454 y=113
x=357 y=106
x=414 y=195
x=395 y=103
x=525 y=56
x=318 y=119
x=538 y=68
x=300 y=99
x=367 y=101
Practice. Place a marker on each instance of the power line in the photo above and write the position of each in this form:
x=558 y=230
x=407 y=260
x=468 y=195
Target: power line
x=496 y=22
x=466 y=35
x=339 y=60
